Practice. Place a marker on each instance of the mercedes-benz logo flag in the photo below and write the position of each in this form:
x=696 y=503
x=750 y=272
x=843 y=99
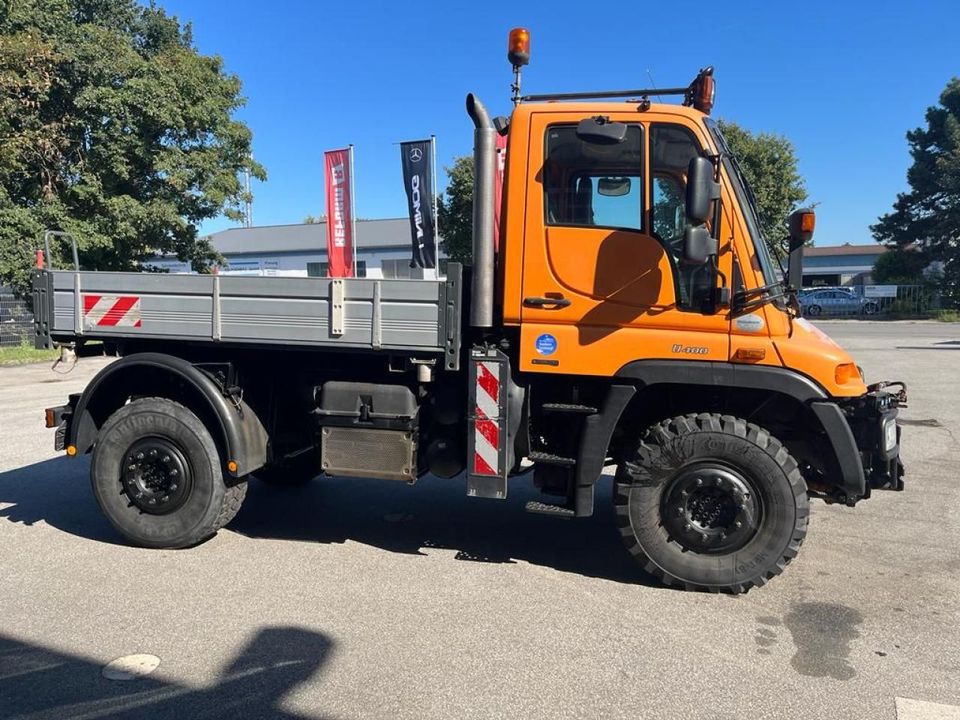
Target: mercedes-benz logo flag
x=417 y=160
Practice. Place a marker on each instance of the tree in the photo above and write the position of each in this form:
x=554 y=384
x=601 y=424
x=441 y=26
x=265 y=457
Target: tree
x=769 y=164
x=455 y=210
x=928 y=215
x=898 y=266
x=113 y=128
x=314 y=219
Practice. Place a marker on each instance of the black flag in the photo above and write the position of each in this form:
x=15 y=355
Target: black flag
x=417 y=159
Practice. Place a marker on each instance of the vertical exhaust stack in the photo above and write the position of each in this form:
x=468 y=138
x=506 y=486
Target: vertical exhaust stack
x=484 y=164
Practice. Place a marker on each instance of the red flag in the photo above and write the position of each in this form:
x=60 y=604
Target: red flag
x=339 y=182
x=498 y=188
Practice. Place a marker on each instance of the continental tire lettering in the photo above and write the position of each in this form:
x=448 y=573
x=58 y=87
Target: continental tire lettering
x=690 y=349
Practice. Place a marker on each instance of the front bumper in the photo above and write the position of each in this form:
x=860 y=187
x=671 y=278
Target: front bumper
x=873 y=421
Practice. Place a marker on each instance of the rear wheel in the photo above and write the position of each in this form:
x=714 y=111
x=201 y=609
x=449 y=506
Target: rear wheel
x=711 y=502
x=871 y=308
x=156 y=475
x=813 y=310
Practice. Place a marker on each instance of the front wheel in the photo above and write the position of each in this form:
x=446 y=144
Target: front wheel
x=156 y=475
x=711 y=502
x=812 y=310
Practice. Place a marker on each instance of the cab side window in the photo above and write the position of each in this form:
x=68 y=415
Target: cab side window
x=593 y=185
x=671 y=149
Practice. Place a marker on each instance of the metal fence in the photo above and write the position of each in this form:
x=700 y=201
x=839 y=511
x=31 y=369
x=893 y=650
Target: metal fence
x=16 y=320
x=870 y=302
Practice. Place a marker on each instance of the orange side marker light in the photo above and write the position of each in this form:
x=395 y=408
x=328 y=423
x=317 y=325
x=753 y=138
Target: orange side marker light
x=750 y=354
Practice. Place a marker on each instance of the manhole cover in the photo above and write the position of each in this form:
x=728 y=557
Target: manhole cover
x=130 y=667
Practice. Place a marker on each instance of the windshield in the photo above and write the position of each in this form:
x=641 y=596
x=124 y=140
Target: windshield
x=748 y=201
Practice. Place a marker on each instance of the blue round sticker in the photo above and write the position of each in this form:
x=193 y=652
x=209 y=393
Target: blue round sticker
x=546 y=344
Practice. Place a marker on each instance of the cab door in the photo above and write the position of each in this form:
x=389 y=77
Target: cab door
x=603 y=280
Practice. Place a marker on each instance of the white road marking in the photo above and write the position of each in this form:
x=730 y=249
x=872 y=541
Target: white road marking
x=908 y=709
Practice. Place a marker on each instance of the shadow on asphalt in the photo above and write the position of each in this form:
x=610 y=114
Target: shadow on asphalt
x=41 y=683
x=393 y=516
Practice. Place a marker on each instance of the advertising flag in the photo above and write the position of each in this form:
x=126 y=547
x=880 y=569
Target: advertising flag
x=417 y=160
x=340 y=221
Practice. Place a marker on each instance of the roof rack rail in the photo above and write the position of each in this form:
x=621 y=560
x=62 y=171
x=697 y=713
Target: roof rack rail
x=699 y=93
x=606 y=94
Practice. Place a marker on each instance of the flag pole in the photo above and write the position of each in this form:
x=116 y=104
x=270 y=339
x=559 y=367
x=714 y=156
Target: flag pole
x=353 y=214
x=436 y=216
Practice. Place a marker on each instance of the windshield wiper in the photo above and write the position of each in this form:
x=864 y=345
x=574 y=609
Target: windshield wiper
x=748 y=300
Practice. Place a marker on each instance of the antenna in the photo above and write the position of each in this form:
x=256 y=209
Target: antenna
x=653 y=84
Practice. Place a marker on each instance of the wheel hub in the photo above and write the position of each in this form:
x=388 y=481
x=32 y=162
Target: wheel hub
x=710 y=508
x=156 y=476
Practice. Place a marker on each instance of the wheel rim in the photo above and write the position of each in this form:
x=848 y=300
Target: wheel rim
x=813 y=310
x=156 y=476
x=711 y=508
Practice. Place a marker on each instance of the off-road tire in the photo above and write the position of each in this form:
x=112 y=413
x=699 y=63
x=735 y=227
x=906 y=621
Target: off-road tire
x=210 y=501
x=678 y=448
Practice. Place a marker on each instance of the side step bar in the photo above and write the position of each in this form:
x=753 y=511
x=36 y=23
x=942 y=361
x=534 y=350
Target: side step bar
x=558 y=511
x=550 y=459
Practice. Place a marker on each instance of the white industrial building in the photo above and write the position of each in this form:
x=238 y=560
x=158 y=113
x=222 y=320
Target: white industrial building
x=383 y=250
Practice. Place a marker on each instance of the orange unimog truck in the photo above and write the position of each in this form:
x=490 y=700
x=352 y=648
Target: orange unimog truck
x=630 y=317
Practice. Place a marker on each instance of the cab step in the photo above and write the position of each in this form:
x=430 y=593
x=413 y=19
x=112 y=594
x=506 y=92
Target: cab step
x=569 y=408
x=558 y=511
x=550 y=459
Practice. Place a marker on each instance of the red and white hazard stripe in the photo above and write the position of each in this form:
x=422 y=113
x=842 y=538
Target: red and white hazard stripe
x=111 y=311
x=486 y=452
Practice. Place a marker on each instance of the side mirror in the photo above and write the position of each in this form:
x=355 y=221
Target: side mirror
x=800 y=225
x=698 y=245
x=702 y=190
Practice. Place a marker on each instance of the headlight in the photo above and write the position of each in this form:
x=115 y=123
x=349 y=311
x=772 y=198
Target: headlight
x=889 y=434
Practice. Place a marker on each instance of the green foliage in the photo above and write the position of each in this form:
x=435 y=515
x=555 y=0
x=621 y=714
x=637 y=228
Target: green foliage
x=928 y=215
x=25 y=353
x=769 y=164
x=113 y=128
x=455 y=210
x=900 y=267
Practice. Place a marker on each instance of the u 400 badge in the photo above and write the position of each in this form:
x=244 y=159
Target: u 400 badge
x=689 y=349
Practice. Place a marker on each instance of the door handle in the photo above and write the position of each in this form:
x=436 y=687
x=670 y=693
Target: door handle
x=543 y=302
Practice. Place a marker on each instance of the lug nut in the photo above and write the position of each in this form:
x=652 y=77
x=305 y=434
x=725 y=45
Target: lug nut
x=738 y=524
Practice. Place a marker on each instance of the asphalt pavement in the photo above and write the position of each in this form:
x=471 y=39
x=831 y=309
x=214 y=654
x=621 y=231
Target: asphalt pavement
x=371 y=599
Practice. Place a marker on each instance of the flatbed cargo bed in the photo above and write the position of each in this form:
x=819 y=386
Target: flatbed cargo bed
x=421 y=316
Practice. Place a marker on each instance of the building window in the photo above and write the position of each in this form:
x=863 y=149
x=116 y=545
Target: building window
x=317 y=269
x=400 y=269
x=320 y=269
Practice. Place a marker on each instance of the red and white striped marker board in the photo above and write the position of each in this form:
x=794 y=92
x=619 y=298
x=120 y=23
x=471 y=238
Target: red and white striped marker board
x=100 y=311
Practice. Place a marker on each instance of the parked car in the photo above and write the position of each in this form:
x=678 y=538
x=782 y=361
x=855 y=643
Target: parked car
x=836 y=301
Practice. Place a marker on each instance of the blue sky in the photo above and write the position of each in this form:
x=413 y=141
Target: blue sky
x=843 y=80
